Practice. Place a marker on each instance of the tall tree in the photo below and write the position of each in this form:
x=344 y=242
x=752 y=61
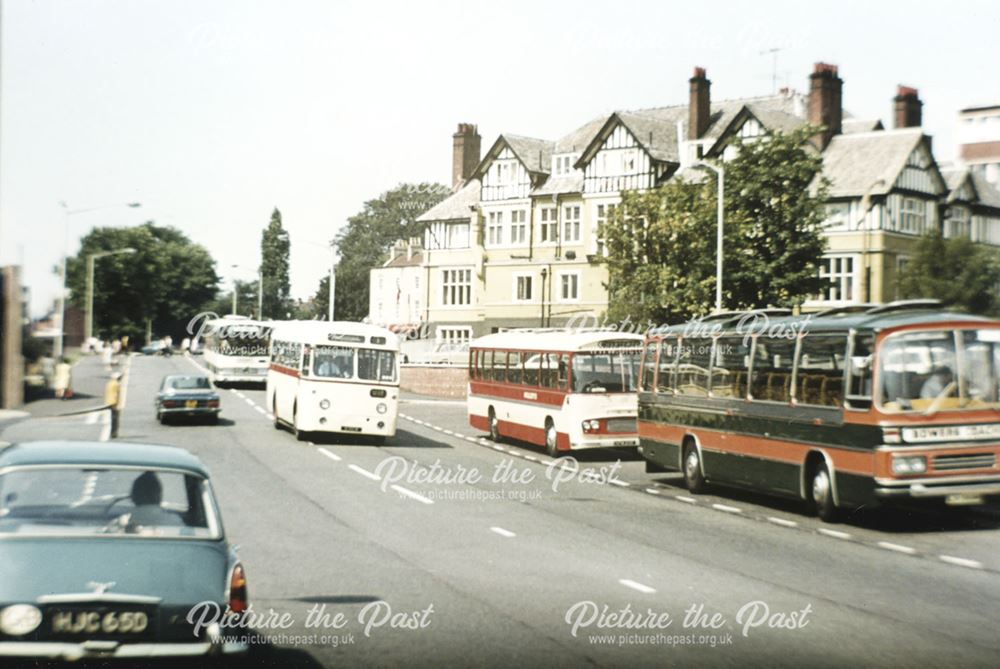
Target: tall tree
x=167 y=281
x=957 y=271
x=275 y=248
x=364 y=243
x=246 y=299
x=662 y=243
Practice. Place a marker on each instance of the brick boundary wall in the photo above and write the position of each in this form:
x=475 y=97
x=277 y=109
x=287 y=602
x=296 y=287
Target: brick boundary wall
x=449 y=381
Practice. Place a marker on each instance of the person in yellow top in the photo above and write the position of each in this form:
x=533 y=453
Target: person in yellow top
x=112 y=400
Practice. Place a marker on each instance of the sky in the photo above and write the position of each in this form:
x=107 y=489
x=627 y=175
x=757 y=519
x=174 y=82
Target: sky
x=211 y=113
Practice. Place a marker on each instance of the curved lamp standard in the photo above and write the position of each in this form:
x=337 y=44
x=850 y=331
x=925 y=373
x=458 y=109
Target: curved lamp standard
x=720 y=214
x=88 y=322
x=57 y=347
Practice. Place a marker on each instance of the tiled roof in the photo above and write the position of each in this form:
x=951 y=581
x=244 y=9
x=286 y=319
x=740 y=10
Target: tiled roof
x=402 y=261
x=868 y=162
x=852 y=125
x=534 y=154
x=455 y=206
x=986 y=194
x=564 y=183
x=579 y=139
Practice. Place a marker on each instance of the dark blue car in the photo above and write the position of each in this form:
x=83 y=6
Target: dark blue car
x=105 y=550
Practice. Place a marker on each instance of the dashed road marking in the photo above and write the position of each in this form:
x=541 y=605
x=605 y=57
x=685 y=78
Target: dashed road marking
x=899 y=548
x=652 y=491
x=619 y=483
x=687 y=500
x=502 y=532
x=782 y=521
x=727 y=508
x=635 y=585
x=961 y=562
x=836 y=534
x=331 y=455
x=365 y=473
x=259 y=409
x=412 y=495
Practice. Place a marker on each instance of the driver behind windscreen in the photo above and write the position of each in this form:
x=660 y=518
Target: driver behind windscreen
x=935 y=385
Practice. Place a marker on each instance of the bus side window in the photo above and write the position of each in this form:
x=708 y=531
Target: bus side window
x=667 y=371
x=563 y=372
x=499 y=365
x=514 y=371
x=771 y=379
x=532 y=366
x=859 y=372
x=693 y=367
x=306 y=356
x=649 y=366
x=820 y=376
x=730 y=368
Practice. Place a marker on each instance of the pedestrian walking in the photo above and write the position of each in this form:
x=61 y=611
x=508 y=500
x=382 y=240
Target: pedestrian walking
x=63 y=381
x=112 y=400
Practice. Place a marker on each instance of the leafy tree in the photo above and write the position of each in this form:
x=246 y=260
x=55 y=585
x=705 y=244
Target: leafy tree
x=364 y=243
x=274 y=252
x=662 y=243
x=167 y=281
x=246 y=299
x=957 y=271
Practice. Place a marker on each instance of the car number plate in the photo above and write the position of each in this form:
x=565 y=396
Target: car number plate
x=624 y=443
x=100 y=622
x=963 y=500
x=191 y=404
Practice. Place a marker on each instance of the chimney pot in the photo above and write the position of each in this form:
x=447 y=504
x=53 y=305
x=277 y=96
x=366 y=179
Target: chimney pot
x=700 y=104
x=825 y=103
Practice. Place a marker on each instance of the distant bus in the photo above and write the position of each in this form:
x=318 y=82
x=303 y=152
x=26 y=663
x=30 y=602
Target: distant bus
x=561 y=389
x=236 y=349
x=849 y=408
x=334 y=377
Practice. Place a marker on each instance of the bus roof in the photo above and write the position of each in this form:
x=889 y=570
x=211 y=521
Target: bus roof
x=553 y=340
x=872 y=319
x=318 y=332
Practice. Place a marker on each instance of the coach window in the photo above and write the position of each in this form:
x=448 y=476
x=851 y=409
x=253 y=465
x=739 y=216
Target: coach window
x=730 y=370
x=819 y=376
x=563 y=372
x=859 y=380
x=550 y=368
x=771 y=378
x=514 y=372
x=649 y=367
x=695 y=358
x=667 y=370
x=532 y=365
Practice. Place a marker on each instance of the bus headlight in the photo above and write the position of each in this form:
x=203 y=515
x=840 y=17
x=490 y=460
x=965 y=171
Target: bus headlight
x=20 y=619
x=381 y=407
x=591 y=426
x=909 y=464
x=324 y=404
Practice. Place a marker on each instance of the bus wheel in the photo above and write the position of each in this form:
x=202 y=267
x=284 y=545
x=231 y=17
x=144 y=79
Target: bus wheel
x=821 y=493
x=694 y=478
x=494 y=426
x=551 y=438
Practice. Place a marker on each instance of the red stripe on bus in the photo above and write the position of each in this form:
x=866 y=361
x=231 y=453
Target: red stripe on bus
x=526 y=433
x=511 y=391
x=284 y=370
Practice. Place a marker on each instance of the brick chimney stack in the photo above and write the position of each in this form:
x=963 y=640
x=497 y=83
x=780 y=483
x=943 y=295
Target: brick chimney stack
x=907 y=106
x=465 y=155
x=700 y=105
x=825 y=105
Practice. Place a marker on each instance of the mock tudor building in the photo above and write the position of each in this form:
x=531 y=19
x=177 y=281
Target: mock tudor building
x=979 y=141
x=519 y=243
x=395 y=298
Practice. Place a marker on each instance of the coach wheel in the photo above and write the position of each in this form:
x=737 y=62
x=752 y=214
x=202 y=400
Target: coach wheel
x=694 y=477
x=551 y=438
x=821 y=493
x=494 y=426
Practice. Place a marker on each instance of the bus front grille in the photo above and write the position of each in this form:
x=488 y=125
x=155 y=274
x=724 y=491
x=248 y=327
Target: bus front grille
x=964 y=461
x=620 y=425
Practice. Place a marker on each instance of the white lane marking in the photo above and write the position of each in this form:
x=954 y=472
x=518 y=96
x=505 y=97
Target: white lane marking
x=782 y=522
x=460 y=436
x=106 y=425
x=531 y=457
x=689 y=500
x=437 y=428
x=449 y=432
x=652 y=491
x=412 y=495
x=961 y=562
x=899 y=548
x=472 y=440
x=365 y=473
x=259 y=409
x=270 y=416
x=498 y=448
x=727 y=509
x=483 y=442
x=249 y=401
x=239 y=394
x=502 y=532
x=91 y=418
x=332 y=456
x=836 y=534
x=234 y=391
x=619 y=483
x=635 y=585
x=455 y=402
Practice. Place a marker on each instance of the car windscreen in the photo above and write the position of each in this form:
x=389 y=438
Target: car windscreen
x=189 y=383
x=86 y=501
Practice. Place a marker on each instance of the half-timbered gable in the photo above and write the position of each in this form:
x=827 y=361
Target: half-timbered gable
x=972 y=208
x=513 y=166
x=633 y=151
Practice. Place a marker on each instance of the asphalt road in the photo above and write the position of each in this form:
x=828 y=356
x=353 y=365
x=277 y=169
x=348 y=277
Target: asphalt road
x=438 y=549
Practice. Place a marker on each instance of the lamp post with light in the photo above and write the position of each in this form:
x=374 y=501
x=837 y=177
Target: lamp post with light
x=720 y=216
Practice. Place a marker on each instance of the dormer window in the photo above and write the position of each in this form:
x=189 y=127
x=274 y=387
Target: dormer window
x=563 y=164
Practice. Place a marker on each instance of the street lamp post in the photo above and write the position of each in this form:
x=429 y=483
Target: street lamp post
x=235 y=289
x=333 y=279
x=720 y=216
x=57 y=347
x=88 y=323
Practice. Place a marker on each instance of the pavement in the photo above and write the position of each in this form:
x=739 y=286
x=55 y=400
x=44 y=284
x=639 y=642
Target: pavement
x=442 y=549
